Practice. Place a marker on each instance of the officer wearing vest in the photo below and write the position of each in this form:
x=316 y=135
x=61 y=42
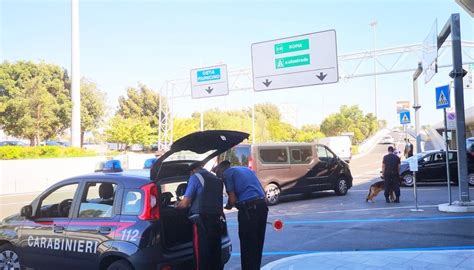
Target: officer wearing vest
x=246 y=193
x=204 y=197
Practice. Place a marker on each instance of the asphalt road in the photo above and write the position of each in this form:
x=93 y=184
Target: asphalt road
x=325 y=222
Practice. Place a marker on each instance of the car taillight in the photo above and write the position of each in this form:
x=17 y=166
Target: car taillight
x=151 y=209
x=251 y=165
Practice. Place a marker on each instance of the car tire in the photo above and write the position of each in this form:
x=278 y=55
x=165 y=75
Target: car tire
x=9 y=259
x=272 y=194
x=407 y=179
x=120 y=265
x=470 y=179
x=341 y=187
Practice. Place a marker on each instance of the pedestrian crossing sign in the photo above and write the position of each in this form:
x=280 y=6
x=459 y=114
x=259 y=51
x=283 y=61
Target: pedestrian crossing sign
x=405 y=117
x=442 y=97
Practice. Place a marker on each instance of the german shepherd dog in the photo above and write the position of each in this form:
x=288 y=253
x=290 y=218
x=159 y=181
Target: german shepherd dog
x=375 y=189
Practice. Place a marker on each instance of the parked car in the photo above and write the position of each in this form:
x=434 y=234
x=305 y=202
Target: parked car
x=114 y=219
x=56 y=143
x=432 y=168
x=289 y=168
x=340 y=145
x=387 y=140
x=12 y=143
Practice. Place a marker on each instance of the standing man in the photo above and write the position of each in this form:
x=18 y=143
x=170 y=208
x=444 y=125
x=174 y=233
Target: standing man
x=246 y=193
x=390 y=172
x=410 y=148
x=204 y=196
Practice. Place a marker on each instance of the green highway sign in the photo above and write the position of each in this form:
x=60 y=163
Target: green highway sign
x=304 y=60
x=292 y=46
x=292 y=61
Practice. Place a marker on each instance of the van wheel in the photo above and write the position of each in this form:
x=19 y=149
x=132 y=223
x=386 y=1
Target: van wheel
x=120 y=265
x=407 y=179
x=272 y=194
x=8 y=258
x=470 y=179
x=341 y=187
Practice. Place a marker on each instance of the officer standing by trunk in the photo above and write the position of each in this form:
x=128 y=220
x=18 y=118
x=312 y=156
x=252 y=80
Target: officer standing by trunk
x=390 y=172
x=246 y=193
x=204 y=196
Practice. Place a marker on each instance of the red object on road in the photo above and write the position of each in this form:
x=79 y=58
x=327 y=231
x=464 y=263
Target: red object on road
x=277 y=225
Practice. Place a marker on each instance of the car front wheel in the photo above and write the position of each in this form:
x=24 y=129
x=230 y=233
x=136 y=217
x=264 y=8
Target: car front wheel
x=272 y=194
x=407 y=179
x=341 y=187
x=9 y=259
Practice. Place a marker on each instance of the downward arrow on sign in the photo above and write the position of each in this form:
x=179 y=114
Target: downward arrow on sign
x=209 y=89
x=321 y=76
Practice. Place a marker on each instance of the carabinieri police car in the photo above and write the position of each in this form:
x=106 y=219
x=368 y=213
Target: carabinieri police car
x=114 y=219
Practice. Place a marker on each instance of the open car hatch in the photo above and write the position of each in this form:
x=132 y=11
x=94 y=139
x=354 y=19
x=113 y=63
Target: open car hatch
x=217 y=141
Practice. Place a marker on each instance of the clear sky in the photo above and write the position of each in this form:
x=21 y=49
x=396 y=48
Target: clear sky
x=126 y=42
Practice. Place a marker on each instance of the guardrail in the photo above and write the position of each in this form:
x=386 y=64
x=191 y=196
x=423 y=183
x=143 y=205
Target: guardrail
x=370 y=143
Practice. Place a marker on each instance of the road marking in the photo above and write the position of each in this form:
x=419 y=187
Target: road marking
x=302 y=252
x=370 y=220
x=375 y=209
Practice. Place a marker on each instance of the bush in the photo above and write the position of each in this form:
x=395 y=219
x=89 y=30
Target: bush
x=20 y=152
x=355 y=149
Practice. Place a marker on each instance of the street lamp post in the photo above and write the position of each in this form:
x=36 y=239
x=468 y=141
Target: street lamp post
x=373 y=24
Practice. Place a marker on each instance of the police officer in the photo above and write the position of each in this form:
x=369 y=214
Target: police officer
x=246 y=193
x=390 y=172
x=204 y=197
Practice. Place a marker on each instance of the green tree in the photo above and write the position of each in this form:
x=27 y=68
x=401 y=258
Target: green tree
x=34 y=100
x=141 y=103
x=128 y=131
x=92 y=107
x=270 y=111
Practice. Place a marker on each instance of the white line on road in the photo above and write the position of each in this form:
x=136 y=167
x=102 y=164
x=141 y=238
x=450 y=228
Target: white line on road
x=375 y=209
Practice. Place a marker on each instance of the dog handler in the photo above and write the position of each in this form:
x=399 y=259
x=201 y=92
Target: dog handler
x=390 y=172
x=246 y=193
x=204 y=195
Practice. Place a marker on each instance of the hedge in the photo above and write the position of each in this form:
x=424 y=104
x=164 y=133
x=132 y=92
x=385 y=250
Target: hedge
x=22 y=152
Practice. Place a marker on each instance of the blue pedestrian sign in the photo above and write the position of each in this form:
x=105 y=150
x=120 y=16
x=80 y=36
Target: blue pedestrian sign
x=442 y=97
x=405 y=117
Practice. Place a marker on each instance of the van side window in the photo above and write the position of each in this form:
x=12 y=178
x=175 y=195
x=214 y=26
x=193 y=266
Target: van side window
x=274 y=155
x=322 y=153
x=301 y=155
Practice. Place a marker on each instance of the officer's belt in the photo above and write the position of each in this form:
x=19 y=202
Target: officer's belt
x=251 y=203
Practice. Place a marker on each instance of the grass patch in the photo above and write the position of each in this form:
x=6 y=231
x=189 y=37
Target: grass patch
x=35 y=152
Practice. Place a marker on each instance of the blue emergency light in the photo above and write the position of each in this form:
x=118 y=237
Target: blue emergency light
x=113 y=165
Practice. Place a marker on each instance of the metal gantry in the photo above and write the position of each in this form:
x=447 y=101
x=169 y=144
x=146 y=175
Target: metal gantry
x=353 y=65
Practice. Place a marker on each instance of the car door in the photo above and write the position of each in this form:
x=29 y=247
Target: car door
x=274 y=166
x=431 y=168
x=94 y=222
x=301 y=159
x=320 y=171
x=42 y=237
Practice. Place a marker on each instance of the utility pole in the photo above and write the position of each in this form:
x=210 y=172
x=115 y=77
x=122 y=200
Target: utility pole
x=373 y=24
x=75 y=76
x=417 y=106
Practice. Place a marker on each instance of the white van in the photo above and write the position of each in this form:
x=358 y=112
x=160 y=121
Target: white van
x=340 y=145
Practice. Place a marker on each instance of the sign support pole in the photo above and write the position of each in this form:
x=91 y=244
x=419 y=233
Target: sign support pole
x=447 y=155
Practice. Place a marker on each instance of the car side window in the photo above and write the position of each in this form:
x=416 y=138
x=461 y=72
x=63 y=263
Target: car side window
x=452 y=156
x=274 y=155
x=438 y=157
x=58 y=203
x=322 y=153
x=301 y=155
x=426 y=159
x=330 y=155
x=98 y=200
x=132 y=203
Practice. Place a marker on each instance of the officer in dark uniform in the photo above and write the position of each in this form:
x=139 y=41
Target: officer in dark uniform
x=204 y=196
x=390 y=172
x=246 y=193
